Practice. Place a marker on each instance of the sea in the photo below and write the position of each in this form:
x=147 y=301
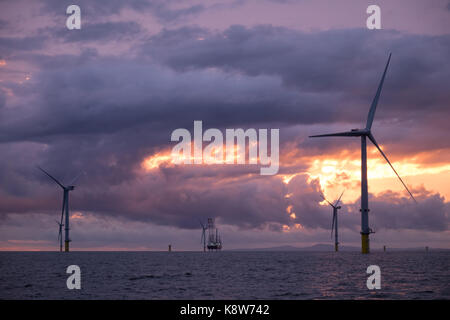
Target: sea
x=225 y=275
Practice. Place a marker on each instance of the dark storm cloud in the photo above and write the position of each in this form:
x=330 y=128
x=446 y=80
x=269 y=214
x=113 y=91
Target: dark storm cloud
x=110 y=95
x=167 y=14
x=2 y=99
x=4 y=24
x=98 y=32
x=9 y=45
x=163 y=10
x=183 y=202
x=323 y=62
x=103 y=115
x=304 y=199
x=391 y=211
x=153 y=198
x=59 y=61
x=316 y=90
x=415 y=95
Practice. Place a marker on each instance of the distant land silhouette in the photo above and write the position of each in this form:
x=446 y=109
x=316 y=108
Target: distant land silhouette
x=329 y=247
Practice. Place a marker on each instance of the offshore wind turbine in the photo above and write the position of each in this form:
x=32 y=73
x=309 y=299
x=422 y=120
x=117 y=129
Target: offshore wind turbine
x=364 y=134
x=203 y=238
x=334 y=225
x=65 y=209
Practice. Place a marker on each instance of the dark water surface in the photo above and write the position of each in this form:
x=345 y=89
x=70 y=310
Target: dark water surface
x=224 y=275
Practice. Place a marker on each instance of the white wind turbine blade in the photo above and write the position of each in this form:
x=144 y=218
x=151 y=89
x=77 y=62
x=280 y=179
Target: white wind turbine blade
x=323 y=197
x=63 y=207
x=372 y=138
x=338 y=134
x=332 y=225
x=203 y=226
x=59 y=232
x=338 y=200
x=51 y=177
x=373 y=107
x=76 y=178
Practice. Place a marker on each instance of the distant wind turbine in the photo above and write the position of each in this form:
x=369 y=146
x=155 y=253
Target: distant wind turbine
x=60 y=224
x=203 y=238
x=65 y=209
x=366 y=133
x=334 y=225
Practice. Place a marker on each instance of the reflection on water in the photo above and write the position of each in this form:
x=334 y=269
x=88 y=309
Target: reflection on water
x=224 y=275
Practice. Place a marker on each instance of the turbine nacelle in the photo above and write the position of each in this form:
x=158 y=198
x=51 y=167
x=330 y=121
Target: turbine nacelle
x=361 y=132
x=335 y=205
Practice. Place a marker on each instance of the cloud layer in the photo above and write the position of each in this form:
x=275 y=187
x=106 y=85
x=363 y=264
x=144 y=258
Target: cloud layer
x=102 y=100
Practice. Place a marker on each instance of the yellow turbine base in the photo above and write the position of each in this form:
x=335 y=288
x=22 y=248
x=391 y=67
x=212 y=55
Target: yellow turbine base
x=336 y=248
x=365 y=247
x=66 y=247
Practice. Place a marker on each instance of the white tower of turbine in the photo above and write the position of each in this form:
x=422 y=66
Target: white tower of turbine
x=364 y=134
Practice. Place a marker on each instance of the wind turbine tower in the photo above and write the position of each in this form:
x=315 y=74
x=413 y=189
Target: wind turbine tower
x=334 y=224
x=65 y=209
x=364 y=134
x=203 y=238
x=60 y=224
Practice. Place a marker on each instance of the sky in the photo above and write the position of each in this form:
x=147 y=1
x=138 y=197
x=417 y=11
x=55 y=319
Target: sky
x=103 y=101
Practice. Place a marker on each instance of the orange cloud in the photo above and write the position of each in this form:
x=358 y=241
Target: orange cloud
x=342 y=170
